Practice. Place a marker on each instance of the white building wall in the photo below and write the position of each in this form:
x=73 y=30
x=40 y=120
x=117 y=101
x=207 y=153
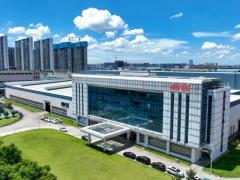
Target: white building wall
x=40 y=98
x=234 y=119
x=216 y=123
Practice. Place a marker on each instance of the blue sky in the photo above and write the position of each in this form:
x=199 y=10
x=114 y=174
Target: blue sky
x=135 y=31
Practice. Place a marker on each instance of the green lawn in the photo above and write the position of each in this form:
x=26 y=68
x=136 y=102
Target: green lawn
x=165 y=155
x=10 y=120
x=229 y=164
x=29 y=108
x=70 y=158
x=64 y=119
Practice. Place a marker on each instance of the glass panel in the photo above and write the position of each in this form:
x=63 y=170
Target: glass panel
x=157 y=143
x=181 y=150
x=141 y=138
x=141 y=109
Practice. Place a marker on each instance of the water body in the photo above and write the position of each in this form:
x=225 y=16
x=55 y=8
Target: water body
x=231 y=79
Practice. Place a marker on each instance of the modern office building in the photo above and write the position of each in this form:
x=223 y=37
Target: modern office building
x=11 y=58
x=70 y=57
x=188 y=118
x=43 y=55
x=24 y=54
x=182 y=117
x=4 y=53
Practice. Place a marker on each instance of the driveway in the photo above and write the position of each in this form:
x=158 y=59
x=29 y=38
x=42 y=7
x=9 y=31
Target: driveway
x=32 y=120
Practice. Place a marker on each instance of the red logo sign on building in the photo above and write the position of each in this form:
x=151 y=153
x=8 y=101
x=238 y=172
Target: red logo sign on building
x=180 y=87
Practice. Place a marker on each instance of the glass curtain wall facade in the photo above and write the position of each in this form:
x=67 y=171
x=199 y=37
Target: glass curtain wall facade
x=141 y=109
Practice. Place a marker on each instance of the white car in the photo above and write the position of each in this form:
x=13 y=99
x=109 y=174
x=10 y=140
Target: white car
x=174 y=171
x=63 y=129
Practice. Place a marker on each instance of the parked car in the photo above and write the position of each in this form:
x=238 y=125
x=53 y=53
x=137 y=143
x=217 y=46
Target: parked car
x=159 y=166
x=197 y=178
x=85 y=138
x=55 y=121
x=42 y=118
x=174 y=171
x=143 y=159
x=63 y=129
x=129 y=155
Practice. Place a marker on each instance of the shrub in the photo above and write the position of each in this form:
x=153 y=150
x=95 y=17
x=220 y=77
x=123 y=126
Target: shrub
x=14 y=112
x=6 y=113
x=8 y=104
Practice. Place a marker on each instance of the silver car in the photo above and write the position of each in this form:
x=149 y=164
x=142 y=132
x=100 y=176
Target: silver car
x=63 y=129
x=174 y=171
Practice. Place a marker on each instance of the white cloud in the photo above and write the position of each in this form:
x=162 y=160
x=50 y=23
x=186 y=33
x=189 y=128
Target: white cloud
x=210 y=34
x=98 y=20
x=37 y=31
x=211 y=45
x=56 y=36
x=20 y=37
x=120 y=42
x=140 y=45
x=213 y=50
x=16 y=30
x=236 y=37
x=70 y=37
x=237 y=26
x=178 y=15
x=89 y=39
x=133 y=32
x=1 y=34
x=75 y=38
x=139 y=39
x=110 y=34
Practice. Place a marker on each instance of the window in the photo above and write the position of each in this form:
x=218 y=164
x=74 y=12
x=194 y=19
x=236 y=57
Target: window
x=181 y=150
x=179 y=116
x=171 y=115
x=209 y=118
x=186 y=119
x=157 y=143
x=64 y=105
x=141 y=138
x=127 y=106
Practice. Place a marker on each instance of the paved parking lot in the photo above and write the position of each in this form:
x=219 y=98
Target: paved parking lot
x=32 y=120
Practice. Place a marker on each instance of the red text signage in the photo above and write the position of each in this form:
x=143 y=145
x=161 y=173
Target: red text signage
x=180 y=87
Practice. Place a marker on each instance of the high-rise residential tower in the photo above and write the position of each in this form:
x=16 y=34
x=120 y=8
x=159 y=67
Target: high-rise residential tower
x=71 y=56
x=11 y=57
x=43 y=55
x=24 y=54
x=4 y=53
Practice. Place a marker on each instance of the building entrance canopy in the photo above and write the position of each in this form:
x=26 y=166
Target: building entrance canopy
x=105 y=130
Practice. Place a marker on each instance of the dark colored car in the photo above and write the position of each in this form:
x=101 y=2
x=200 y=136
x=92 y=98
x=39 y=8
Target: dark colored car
x=143 y=159
x=85 y=137
x=129 y=155
x=159 y=166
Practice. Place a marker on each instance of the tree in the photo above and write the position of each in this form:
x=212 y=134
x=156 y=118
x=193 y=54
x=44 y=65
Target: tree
x=13 y=167
x=14 y=112
x=5 y=170
x=191 y=174
x=8 y=104
x=1 y=109
x=6 y=113
x=10 y=154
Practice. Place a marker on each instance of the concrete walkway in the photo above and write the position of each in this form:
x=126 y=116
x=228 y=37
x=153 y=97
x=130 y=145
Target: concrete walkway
x=32 y=120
